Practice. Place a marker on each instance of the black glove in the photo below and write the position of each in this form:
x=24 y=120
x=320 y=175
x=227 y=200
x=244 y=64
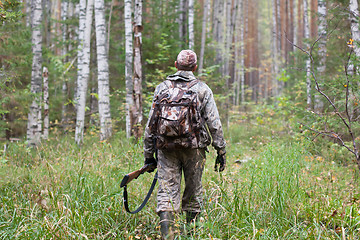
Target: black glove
x=151 y=160
x=220 y=160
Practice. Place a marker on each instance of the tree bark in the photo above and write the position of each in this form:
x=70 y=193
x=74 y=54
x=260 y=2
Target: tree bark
x=128 y=66
x=81 y=36
x=191 y=25
x=137 y=110
x=46 y=103
x=103 y=71
x=322 y=12
x=34 y=117
x=307 y=61
x=275 y=50
x=83 y=84
x=203 y=35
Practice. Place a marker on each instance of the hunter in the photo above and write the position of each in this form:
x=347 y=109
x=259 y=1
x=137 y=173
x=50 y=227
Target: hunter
x=181 y=120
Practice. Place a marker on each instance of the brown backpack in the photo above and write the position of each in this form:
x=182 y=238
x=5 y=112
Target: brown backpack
x=176 y=120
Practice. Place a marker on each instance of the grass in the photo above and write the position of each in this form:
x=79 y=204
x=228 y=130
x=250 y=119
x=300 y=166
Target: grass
x=61 y=191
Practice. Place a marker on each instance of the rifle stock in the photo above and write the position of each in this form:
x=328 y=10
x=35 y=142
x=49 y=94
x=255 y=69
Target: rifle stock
x=133 y=175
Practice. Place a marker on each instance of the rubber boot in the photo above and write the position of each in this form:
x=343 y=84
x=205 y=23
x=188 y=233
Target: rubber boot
x=166 y=225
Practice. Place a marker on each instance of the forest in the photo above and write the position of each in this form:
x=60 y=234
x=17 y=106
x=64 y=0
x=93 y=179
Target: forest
x=77 y=83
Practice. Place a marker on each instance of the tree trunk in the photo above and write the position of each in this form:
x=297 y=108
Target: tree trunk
x=307 y=62
x=203 y=35
x=46 y=103
x=128 y=66
x=81 y=32
x=274 y=51
x=103 y=71
x=83 y=84
x=64 y=15
x=322 y=12
x=355 y=35
x=181 y=21
x=34 y=117
x=137 y=114
x=191 y=25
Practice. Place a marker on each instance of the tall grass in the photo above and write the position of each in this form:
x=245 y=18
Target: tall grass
x=61 y=191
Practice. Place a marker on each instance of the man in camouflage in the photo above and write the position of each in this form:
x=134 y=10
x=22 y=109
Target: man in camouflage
x=190 y=161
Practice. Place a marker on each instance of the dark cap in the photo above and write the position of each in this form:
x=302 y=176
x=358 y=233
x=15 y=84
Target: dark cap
x=187 y=58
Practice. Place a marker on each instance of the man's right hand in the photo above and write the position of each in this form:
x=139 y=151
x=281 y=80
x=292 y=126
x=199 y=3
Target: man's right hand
x=151 y=160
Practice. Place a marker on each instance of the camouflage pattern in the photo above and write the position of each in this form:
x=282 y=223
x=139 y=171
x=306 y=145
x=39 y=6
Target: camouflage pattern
x=208 y=111
x=176 y=120
x=187 y=58
x=170 y=167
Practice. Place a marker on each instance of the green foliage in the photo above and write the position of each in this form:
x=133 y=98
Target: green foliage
x=10 y=11
x=270 y=190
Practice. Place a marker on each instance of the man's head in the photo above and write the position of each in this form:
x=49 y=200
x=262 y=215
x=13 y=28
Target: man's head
x=186 y=60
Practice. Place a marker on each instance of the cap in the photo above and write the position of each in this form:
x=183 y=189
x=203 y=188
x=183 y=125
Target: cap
x=187 y=58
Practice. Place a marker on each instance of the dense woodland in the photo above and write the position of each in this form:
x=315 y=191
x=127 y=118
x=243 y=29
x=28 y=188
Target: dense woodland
x=103 y=59
x=77 y=81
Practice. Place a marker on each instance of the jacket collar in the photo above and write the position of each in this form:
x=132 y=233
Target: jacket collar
x=182 y=75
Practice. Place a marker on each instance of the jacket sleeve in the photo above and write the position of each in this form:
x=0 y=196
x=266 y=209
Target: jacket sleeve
x=149 y=143
x=212 y=119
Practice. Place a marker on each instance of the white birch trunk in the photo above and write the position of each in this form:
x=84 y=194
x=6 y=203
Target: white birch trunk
x=103 y=71
x=203 y=35
x=355 y=34
x=181 y=21
x=46 y=103
x=227 y=42
x=137 y=114
x=81 y=32
x=191 y=25
x=83 y=84
x=34 y=117
x=275 y=52
x=64 y=15
x=128 y=66
x=322 y=12
x=242 y=51
x=307 y=62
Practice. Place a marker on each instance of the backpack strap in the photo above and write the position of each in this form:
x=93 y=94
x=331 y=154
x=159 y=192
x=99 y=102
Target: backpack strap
x=193 y=83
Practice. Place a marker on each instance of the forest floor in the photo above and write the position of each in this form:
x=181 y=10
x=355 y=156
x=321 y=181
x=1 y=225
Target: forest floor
x=275 y=186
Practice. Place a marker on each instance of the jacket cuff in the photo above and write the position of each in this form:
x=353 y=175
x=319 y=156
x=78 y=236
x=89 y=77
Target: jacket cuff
x=148 y=155
x=221 y=151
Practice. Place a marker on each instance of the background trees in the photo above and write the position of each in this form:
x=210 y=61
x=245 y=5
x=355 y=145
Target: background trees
x=248 y=53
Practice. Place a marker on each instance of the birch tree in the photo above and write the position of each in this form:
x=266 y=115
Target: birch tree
x=191 y=25
x=137 y=113
x=355 y=35
x=307 y=61
x=46 y=103
x=322 y=12
x=355 y=32
x=83 y=83
x=34 y=117
x=203 y=34
x=103 y=71
x=275 y=49
x=81 y=36
x=128 y=65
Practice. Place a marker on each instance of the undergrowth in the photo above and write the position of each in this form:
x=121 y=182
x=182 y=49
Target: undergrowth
x=272 y=188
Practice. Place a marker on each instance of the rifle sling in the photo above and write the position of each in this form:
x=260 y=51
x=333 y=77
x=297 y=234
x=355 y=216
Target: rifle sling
x=145 y=200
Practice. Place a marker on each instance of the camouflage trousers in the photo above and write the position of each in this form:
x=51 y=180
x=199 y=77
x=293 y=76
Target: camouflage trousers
x=171 y=165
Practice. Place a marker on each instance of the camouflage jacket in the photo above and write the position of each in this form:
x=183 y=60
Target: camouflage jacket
x=208 y=111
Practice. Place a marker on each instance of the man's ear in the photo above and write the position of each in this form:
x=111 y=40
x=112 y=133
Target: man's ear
x=195 y=68
x=176 y=65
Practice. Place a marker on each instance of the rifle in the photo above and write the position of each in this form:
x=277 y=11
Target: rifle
x=135 y=174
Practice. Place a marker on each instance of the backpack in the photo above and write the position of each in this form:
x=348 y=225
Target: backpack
x=176 y=119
